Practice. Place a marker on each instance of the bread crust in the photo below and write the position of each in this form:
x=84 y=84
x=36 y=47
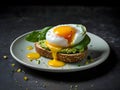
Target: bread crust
x=62 y=57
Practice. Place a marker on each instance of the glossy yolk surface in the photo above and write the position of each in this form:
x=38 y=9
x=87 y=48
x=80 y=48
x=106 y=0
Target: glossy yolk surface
x=54 y=50
x=66 y=31
x=29 y=47
x=33 y=56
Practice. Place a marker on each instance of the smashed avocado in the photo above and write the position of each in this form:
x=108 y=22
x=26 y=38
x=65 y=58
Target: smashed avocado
x=70 y=50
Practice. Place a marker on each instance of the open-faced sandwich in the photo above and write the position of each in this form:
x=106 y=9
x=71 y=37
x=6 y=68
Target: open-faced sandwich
x=62 y=43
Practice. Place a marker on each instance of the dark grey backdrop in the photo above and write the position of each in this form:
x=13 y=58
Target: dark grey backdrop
x=100 y=20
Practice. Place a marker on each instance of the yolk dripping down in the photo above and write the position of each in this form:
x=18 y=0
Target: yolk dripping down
x=29 y=47
x=54 y=50
x=65 y=31
x=33 y=56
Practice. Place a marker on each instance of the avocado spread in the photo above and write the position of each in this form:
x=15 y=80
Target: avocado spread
x=70 y=50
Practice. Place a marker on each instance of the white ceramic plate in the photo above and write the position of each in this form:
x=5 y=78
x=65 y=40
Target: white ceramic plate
x=98 y=49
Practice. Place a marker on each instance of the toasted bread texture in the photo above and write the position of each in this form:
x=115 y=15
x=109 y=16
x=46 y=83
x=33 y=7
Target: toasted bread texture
x=62 y=57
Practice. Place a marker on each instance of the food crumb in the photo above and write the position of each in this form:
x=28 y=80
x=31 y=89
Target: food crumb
x=71 y=86
x=12 y=64
x=25 y=78
x=18 y=70
x=5 y=57
x=76 y=86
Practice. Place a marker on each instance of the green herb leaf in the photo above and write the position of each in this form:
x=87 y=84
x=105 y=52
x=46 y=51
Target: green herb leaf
x=79 y=65
x=37 y=35
x=43 y=32
x=33 y=37
x=83 y=43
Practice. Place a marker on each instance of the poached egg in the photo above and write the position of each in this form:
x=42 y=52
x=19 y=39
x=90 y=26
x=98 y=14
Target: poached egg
x=63 y=36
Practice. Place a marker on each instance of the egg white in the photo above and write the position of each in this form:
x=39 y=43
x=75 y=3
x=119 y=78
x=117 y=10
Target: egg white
x=61 y=41
x=55 y=39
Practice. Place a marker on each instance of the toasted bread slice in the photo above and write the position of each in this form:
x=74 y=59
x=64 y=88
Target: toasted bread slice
x=62 y=57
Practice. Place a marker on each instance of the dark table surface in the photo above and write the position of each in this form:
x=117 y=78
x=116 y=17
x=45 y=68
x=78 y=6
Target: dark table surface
x=102 y=21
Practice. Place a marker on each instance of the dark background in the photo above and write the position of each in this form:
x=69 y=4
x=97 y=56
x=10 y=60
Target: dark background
x=61 y=2
x=100 y=17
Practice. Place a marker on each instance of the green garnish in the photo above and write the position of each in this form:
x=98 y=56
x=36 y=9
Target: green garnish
x=83 y=43
x=12 y=64
x=38 y=62
x=37 y=35
x=33 y=37
x=79 y=65
x=25 y=78
x=18 y=70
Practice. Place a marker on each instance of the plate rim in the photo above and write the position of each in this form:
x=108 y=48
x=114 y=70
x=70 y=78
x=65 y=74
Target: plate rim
x=84 y=67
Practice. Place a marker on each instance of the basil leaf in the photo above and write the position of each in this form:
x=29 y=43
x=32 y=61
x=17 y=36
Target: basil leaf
x=37 y=35
x=42 y=33
x=83 y=43
x=33 y=37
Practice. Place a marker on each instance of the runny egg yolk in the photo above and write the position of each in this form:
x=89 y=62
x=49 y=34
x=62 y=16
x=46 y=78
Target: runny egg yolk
x=65 y=31
x=29 y=47
x=33 y=56
x=54 y=50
